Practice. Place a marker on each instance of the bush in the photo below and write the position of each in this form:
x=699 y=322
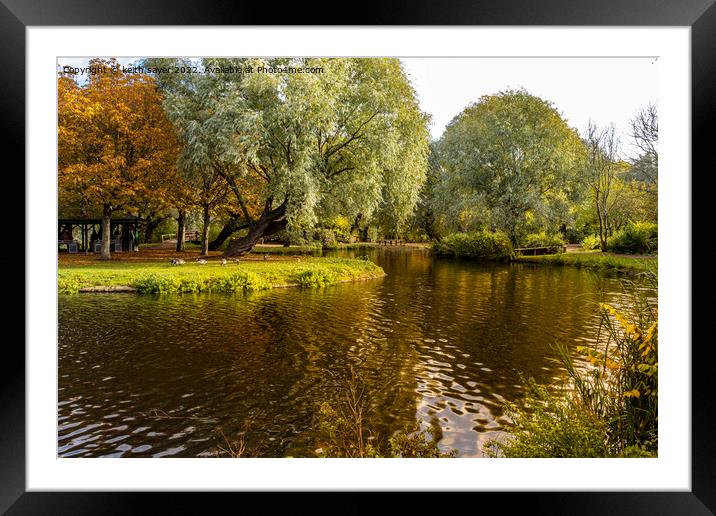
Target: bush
x=635 y=238
x=591 y=242
x=315 y=278
x=168 y=283
x=412 y=442
x=327 y=237
x=543 y=240
x=479 y=244
x=545 y=425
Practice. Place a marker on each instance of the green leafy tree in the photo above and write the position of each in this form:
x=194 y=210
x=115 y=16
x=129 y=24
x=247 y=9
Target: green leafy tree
x=511 y=154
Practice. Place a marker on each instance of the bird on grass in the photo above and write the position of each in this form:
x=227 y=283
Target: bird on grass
x=201 y=261
x=266 y=257
x=178 y=261
x=223 y=261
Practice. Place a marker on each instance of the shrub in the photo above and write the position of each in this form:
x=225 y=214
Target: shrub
x=327 y=237
x=168 y=283
x=412 y=442
x=546 y=425
x=157 y=284
x=315 y=278
x=479 y=244
x=591 y=242
x=635 y=238
x=543 y=240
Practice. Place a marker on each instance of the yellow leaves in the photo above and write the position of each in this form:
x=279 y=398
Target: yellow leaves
x=632 y=394
x=612 y=364
x=113 y=138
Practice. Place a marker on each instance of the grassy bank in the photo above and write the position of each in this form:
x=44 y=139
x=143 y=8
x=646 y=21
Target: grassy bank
x=315 y=249
x=597 y=261
x=213 y=277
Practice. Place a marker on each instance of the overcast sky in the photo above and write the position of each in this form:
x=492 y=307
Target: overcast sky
x=606 y=90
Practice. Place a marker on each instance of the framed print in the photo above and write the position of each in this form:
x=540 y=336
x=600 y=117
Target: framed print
x=423 y=187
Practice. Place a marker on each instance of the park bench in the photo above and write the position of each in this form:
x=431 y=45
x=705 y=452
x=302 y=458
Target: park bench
x=189 y=235
x=71 y=245
x=535 y=251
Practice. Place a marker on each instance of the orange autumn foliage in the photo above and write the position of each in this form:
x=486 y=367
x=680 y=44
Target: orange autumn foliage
x=116 y=147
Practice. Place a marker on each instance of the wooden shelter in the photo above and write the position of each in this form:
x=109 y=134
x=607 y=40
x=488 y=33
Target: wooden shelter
x=123 y=231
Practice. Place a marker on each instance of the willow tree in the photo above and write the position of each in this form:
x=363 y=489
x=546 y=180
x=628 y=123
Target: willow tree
x=340 y=136
x=512 y=155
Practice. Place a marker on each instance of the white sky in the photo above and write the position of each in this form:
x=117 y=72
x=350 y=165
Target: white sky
x=607 y=90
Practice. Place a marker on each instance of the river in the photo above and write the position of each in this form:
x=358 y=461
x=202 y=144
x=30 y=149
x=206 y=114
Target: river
x=442 y=341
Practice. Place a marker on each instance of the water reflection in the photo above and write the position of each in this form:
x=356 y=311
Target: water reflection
x=444 y=341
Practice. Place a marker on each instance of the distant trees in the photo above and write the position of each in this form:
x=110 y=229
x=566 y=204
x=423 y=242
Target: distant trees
x=116 y=147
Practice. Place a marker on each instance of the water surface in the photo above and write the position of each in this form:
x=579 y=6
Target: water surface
x=442 y=341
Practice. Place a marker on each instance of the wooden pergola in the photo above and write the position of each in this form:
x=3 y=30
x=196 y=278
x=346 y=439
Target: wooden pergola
x=124 y=229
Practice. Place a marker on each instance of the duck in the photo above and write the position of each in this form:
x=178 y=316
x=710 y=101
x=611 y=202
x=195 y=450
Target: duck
x=178 y=261
x=222 y=261
x=201 y=261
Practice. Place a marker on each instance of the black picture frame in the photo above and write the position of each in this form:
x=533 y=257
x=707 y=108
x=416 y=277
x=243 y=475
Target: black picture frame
x=17 y=15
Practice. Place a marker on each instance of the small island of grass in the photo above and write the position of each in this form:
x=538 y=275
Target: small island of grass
x=247 y=275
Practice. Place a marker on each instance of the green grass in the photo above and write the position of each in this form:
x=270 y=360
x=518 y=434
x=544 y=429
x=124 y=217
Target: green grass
x=591 y=261
x=212 y=277
x=315 y=248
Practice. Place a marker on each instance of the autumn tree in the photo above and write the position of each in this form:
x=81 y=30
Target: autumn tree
x=115 y=143
x=293 y=148
x=508 y=156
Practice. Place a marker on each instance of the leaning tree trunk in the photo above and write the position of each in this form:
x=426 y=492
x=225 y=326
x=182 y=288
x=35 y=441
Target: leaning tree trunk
x=270 y=222
x=106 y=233
x=233 y=225
x=180 y=231
x=205 y=232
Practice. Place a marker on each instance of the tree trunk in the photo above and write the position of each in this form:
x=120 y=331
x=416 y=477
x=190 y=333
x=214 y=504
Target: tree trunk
x=180 y=231
x=270 y=222
x=356 y=224
x=233 y=225
x=205 y=232
x=150 y=227
x=106 y=233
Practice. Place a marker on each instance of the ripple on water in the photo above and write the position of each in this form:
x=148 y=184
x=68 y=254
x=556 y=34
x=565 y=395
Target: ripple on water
x=444 y=341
